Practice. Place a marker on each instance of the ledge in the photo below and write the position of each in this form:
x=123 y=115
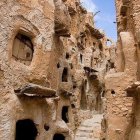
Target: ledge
x=65 y=93
x=71 y=10
x=82 y=9
x=95 y=32
x=62 y=19
x=125 y=1
x=89 y=69
x=123 y=10
x=35 y=90
x=133 y=89
x=91 y=72
x=61 y=29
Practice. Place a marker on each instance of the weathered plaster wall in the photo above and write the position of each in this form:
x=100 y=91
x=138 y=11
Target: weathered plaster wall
x=63 y=37
x=120 y=107
x=36 y=19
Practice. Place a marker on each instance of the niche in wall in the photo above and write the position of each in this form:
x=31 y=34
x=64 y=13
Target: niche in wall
x=46 y=127
x=58 y=65
x=65 y=114
x=23 y=50
x=113 y=92
x=26 y=130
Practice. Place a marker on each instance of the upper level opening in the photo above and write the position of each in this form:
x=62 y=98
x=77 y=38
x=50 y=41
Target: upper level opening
x=67 y=55
x=108 y=43
x=23 y=49
x=81 y=58
x=65 y=75
x=65 y=111
x=100 y=46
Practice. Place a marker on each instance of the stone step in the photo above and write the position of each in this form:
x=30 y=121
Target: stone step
x=83 y=138
x=85 y=125
x=82 y=129
x=90 y=129
x=88 y=135
x=84 y=134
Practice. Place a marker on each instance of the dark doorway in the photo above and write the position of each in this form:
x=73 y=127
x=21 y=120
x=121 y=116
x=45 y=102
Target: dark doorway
x=65 y=75
x=65 y=111
x=58 y=137
x=26 y=130
x=83 y=101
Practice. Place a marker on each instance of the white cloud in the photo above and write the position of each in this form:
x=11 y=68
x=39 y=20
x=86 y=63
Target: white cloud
x=89 y=5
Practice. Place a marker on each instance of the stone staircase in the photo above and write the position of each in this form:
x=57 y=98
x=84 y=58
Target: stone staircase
x=90 y=129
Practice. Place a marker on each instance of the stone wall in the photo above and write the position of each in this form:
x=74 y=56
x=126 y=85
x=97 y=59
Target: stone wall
x=121 y=109
x=52 y=65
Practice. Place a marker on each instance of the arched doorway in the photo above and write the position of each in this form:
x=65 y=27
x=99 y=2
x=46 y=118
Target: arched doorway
x=65 y=75
x=65 y=115
x=59 y=137
x=25 y=130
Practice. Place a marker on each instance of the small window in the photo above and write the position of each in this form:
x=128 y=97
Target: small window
x=65 y=111
x=67 y=55
x=108 y=43
x=113 y=92
x=23 y=49
x=81 y=58
x=73 y=105
x=101 y=46
x=58 y=65
x=112 y=65
x=94 y=44
x=65 y=75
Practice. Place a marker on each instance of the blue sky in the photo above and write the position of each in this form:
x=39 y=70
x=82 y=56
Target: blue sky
x=106 y=17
